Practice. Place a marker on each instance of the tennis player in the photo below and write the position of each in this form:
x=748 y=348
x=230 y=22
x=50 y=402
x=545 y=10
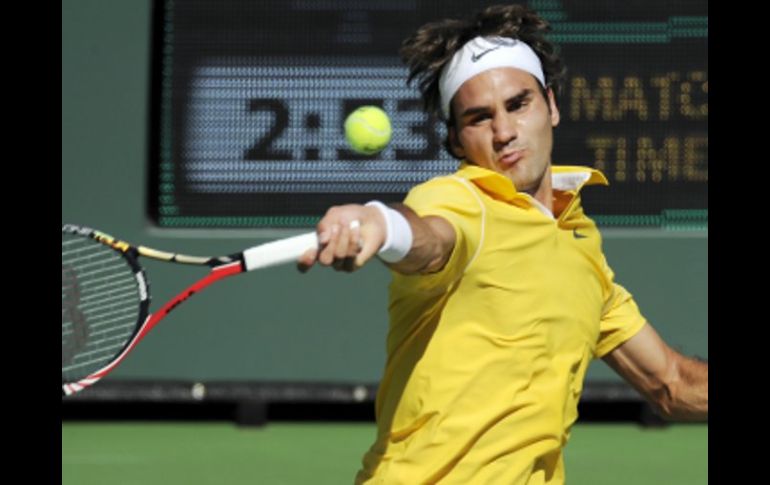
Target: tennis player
x=501 y=294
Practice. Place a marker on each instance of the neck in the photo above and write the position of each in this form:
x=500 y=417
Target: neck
x=544 y=192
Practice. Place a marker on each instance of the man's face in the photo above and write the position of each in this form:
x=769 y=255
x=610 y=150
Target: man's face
x=502 y=123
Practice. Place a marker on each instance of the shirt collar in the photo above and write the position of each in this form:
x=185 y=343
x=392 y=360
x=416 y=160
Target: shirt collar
x=565 y=178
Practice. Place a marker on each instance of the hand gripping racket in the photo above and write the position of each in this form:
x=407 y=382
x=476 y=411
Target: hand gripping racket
x=105 y=295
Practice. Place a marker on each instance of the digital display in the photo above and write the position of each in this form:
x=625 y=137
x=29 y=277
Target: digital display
x=249 y=100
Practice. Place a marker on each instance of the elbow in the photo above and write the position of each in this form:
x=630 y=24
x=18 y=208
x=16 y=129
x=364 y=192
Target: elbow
x=680 y=400
x=663 y=401
x=668 y=410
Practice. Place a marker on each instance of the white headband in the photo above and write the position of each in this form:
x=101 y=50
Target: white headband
x=482 y=54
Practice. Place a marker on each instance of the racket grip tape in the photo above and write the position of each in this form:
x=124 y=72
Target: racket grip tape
x=279 y=252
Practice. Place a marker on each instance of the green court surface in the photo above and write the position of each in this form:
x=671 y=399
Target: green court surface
x=329 y=453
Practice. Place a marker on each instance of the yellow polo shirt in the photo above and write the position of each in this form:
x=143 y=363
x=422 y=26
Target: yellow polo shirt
x=486 y=358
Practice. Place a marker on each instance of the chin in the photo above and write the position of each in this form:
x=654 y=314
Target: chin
x=526 y=184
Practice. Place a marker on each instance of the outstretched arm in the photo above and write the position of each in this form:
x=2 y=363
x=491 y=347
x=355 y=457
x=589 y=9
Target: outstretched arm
x=677 y=385
x=347 y=248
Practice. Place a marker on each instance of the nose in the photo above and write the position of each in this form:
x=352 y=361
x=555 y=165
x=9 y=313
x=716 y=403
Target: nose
x=503 y=129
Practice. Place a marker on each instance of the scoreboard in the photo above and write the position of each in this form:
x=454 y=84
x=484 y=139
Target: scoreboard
x=249 y=99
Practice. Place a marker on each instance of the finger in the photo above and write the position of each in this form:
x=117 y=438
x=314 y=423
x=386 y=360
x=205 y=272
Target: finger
x=324 y=233
x=355 y=237
x=327 y=252
x=307 y=260
x=343 y=241
x=369 y=247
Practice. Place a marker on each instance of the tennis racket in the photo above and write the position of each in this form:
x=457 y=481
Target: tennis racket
x=105 y=295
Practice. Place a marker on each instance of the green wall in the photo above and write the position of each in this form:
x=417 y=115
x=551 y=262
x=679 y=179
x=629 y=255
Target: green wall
x=275 y=324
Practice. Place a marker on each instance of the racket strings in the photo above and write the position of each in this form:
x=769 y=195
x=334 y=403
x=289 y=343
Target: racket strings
x=100 y=305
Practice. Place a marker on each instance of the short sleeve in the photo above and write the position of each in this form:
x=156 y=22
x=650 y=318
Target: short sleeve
x=621 y=318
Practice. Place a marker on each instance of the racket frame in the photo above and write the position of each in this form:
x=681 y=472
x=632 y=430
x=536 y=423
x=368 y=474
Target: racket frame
x=221 y=267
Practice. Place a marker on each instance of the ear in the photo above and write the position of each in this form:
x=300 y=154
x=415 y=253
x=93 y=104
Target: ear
x=555 y=116
x=454 y=142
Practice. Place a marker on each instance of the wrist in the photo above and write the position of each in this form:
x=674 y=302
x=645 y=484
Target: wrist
x=398 y=233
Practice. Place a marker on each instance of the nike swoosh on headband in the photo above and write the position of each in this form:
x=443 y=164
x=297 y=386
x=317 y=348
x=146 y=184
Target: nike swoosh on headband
x=476 y=57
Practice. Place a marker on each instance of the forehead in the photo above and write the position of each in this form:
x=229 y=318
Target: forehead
x=500 y=82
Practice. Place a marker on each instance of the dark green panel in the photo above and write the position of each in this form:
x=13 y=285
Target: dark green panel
x=105 y=80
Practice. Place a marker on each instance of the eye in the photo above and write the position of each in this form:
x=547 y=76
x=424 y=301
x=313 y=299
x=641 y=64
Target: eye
x=480 y=118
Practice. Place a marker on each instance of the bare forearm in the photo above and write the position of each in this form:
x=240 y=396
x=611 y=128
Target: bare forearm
x=432 y=242
x=688 y=395
x=677 y=385
x=350 y=235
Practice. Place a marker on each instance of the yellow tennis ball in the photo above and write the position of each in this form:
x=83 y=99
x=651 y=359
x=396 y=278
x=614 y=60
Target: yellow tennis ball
x=368 y=130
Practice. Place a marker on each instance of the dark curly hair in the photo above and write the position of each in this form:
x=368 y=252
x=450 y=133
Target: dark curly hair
x=427 y=50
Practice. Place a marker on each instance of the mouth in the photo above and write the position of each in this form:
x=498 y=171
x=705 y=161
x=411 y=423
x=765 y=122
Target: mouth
x=509 y=158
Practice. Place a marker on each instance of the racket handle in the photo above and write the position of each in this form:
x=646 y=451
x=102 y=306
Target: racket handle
x=279 y=252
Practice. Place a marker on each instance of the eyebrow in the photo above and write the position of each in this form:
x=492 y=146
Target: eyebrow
x=517 y=99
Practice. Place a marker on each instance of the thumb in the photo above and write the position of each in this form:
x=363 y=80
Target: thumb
x=372 y=239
